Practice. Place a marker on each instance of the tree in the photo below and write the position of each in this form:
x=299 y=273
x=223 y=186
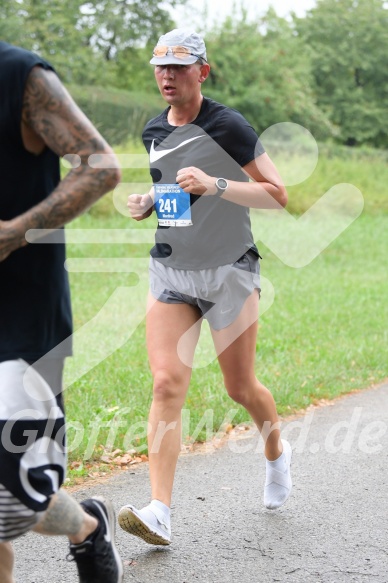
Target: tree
x=122 y=24
x=348 y=44
x=46 y=27
x=83 y=40
x=262 y=69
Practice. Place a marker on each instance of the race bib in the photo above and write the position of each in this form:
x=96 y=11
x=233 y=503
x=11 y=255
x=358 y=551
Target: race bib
x=172 y=205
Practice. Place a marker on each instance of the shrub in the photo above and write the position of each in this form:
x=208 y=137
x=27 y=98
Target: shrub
x=118 y=115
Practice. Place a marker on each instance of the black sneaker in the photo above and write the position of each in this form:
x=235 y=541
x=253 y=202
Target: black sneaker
x=97 y=558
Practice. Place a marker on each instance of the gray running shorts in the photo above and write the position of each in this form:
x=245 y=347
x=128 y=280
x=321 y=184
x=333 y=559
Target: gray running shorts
x=32 y=443
x=219 y=292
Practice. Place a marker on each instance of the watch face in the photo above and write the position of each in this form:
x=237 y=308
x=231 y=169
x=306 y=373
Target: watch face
x=221 y=183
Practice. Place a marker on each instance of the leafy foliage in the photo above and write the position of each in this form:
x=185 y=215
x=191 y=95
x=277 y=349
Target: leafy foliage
x=266 y=75
x=119 y=24
x=82 y=39
x=326 y=71
x=348 y=44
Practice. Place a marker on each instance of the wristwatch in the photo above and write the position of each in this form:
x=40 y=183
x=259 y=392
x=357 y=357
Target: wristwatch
x=221 y=185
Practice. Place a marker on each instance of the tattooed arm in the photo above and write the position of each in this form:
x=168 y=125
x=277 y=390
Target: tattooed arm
x=51 y=118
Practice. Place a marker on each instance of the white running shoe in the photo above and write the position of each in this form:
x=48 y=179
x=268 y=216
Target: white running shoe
x=153 y=529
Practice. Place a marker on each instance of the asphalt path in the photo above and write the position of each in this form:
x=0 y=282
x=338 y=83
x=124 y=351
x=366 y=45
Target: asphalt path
x=333 y=529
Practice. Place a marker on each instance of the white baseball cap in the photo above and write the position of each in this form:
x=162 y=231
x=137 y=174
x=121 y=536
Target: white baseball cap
x=180 y=46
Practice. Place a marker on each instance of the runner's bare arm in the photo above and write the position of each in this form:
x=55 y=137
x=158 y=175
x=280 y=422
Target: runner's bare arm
x=265 y=191
x=50 y=116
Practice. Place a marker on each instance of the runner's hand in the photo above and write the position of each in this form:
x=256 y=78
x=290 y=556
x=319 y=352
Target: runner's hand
x=195 y=181
x=140 y=206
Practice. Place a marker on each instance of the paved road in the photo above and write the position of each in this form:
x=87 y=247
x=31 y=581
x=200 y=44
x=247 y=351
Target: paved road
x=334 y=529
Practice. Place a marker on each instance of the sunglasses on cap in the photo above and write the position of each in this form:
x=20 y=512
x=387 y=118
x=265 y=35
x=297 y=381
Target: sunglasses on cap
x=178 y=51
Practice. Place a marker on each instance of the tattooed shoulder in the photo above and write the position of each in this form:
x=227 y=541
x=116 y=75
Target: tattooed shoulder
x=49 y=110
x=43 y=91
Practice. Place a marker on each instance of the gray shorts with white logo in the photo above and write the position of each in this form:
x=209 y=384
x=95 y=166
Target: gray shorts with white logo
x=219 y=292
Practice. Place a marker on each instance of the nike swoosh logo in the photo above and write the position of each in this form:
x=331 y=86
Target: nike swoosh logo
x=155 y=156
x=107 y=536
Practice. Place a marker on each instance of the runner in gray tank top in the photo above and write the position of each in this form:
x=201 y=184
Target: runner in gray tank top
x=204 y=265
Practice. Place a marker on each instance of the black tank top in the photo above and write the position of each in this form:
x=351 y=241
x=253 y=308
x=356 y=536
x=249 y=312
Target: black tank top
x=35 y=312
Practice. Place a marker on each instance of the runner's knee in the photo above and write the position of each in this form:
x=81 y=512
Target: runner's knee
x=169 y=386
x=241 y=388
x=237 y=395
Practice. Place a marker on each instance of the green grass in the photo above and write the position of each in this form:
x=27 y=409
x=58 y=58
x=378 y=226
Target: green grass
x=324 y=335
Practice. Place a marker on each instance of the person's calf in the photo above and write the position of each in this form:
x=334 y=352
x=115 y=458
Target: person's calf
x=65 y=516
x=6 y=563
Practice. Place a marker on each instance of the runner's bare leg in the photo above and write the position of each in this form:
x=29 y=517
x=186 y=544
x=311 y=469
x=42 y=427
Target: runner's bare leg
x=236 y=349
x=6 y=563
x=64 y=516
x=166 y=323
